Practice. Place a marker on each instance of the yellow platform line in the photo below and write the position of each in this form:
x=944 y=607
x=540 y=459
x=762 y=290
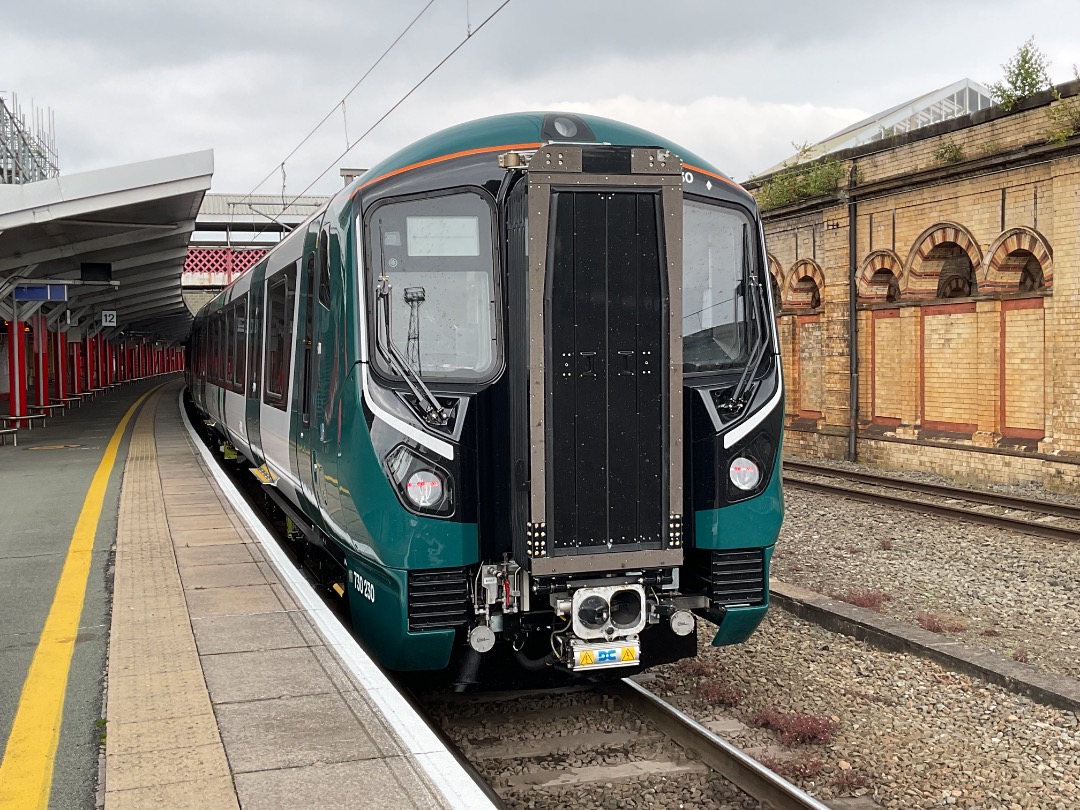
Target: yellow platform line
x=27 y=768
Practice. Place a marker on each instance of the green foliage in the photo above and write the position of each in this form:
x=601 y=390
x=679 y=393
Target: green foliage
x=949 y=152
x=1064 y=116
x=1025 y=75
x=799 y=181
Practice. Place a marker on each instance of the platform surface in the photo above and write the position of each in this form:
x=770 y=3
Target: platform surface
x=221 y=689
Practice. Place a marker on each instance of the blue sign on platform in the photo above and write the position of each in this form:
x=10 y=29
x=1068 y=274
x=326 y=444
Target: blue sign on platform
x=41 y=292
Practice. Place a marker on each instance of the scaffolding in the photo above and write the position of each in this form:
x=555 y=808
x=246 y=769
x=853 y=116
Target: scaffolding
x=27 y=151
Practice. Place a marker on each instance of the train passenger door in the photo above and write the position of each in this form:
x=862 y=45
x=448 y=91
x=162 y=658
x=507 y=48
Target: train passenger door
x=305 y=347
x=601 y=473
x=278 y=350
x=253 y=388
x=323 y=375
x=608 y=328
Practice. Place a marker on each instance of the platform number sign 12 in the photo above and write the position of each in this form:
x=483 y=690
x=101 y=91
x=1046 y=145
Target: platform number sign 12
x=108 y=317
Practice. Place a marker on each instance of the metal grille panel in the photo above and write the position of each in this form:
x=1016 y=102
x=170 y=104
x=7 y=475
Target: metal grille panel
x=737 y=577
x=438 y=599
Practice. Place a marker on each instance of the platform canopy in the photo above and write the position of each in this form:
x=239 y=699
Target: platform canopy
x=110 y=241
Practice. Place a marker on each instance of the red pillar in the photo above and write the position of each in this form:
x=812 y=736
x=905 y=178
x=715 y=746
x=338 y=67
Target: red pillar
x=17 y=368
x=76 y=367
x=60 y=350
x=110 y=359
x=103 y=361
x=41 y=361
x=91 y=364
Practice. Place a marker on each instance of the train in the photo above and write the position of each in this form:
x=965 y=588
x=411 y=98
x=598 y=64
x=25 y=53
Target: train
x=518 y=386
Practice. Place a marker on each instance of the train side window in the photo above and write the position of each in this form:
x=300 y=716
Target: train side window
x=217 y=348
x=324 y=268
x=240 y=345
x=280 y=299
x=230 y=330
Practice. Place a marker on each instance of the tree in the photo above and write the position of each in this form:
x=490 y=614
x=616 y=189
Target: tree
x=1025 y=75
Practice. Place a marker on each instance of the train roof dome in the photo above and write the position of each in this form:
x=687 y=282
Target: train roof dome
x=523 y=130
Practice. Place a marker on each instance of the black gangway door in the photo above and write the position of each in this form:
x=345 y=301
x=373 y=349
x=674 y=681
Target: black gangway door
x=607 y=318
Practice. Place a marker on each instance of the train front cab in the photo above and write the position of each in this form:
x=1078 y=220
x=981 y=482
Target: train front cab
x=586 y=444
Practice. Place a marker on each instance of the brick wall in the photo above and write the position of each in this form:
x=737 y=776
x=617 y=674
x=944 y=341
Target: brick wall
x=1023 y=404
x=811 y=370
x=888 y=372
x=998 y=372
x=950 y=368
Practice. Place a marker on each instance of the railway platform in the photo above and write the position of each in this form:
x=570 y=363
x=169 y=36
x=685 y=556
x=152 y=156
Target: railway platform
x=157 y=650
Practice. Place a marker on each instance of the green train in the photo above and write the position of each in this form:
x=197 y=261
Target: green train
x=519 y=384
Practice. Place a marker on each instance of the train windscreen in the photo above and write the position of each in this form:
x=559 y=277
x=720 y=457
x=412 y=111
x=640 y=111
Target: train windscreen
x=715 y=272
x=437 y=254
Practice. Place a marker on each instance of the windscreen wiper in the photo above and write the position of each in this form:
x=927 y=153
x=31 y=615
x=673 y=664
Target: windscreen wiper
x=736 y=402
x=434 y=413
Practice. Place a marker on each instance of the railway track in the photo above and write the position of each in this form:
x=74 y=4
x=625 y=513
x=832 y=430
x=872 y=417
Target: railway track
x=615 y=745
x=1047 y=519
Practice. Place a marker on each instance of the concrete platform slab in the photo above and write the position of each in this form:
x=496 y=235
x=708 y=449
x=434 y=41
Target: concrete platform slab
x=233 y=601
x=163 y=767
x=262 y=675
x=293 y=732
x=231 y=554
x=205 y=537
x=195 y=507
x=222 y=576
x=356 y=785
x=198 y=794
x=161 y=735
x=214 y=520
x=247 y=633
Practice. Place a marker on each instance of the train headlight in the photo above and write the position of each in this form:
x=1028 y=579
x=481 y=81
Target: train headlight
x=424 y=488
x=565 y=127
x=626 y=607
x=744 y=473
x=608 y=611
x=422 y=485
x=593 y=612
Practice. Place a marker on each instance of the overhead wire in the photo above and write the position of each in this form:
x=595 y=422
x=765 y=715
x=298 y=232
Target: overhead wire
x=341 y=102
x=396 y=104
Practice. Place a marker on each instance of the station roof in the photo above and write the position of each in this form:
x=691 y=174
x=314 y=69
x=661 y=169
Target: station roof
x=255 y=211
x=138 y=218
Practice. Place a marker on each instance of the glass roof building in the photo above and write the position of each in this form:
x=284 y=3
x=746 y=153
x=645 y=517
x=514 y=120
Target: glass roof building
x=957 y=99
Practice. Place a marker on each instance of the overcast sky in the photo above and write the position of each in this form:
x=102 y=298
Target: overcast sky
x=737 y=83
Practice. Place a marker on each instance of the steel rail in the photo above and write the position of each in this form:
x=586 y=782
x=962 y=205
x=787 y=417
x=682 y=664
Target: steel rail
x=942 y=490
x=1045 y=530
x=745 y=773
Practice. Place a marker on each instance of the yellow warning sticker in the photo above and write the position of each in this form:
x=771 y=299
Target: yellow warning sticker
x=628 y=654
x=586 y=658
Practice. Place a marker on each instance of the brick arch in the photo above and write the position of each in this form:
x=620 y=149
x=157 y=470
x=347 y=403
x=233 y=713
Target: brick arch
x=1008 y=256
x=797 y=295
x=880 y=260
x=922 y=281
x=776 y=272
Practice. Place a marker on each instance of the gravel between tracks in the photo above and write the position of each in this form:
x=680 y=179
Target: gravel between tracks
x=1014 y=594
x=909 y=733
